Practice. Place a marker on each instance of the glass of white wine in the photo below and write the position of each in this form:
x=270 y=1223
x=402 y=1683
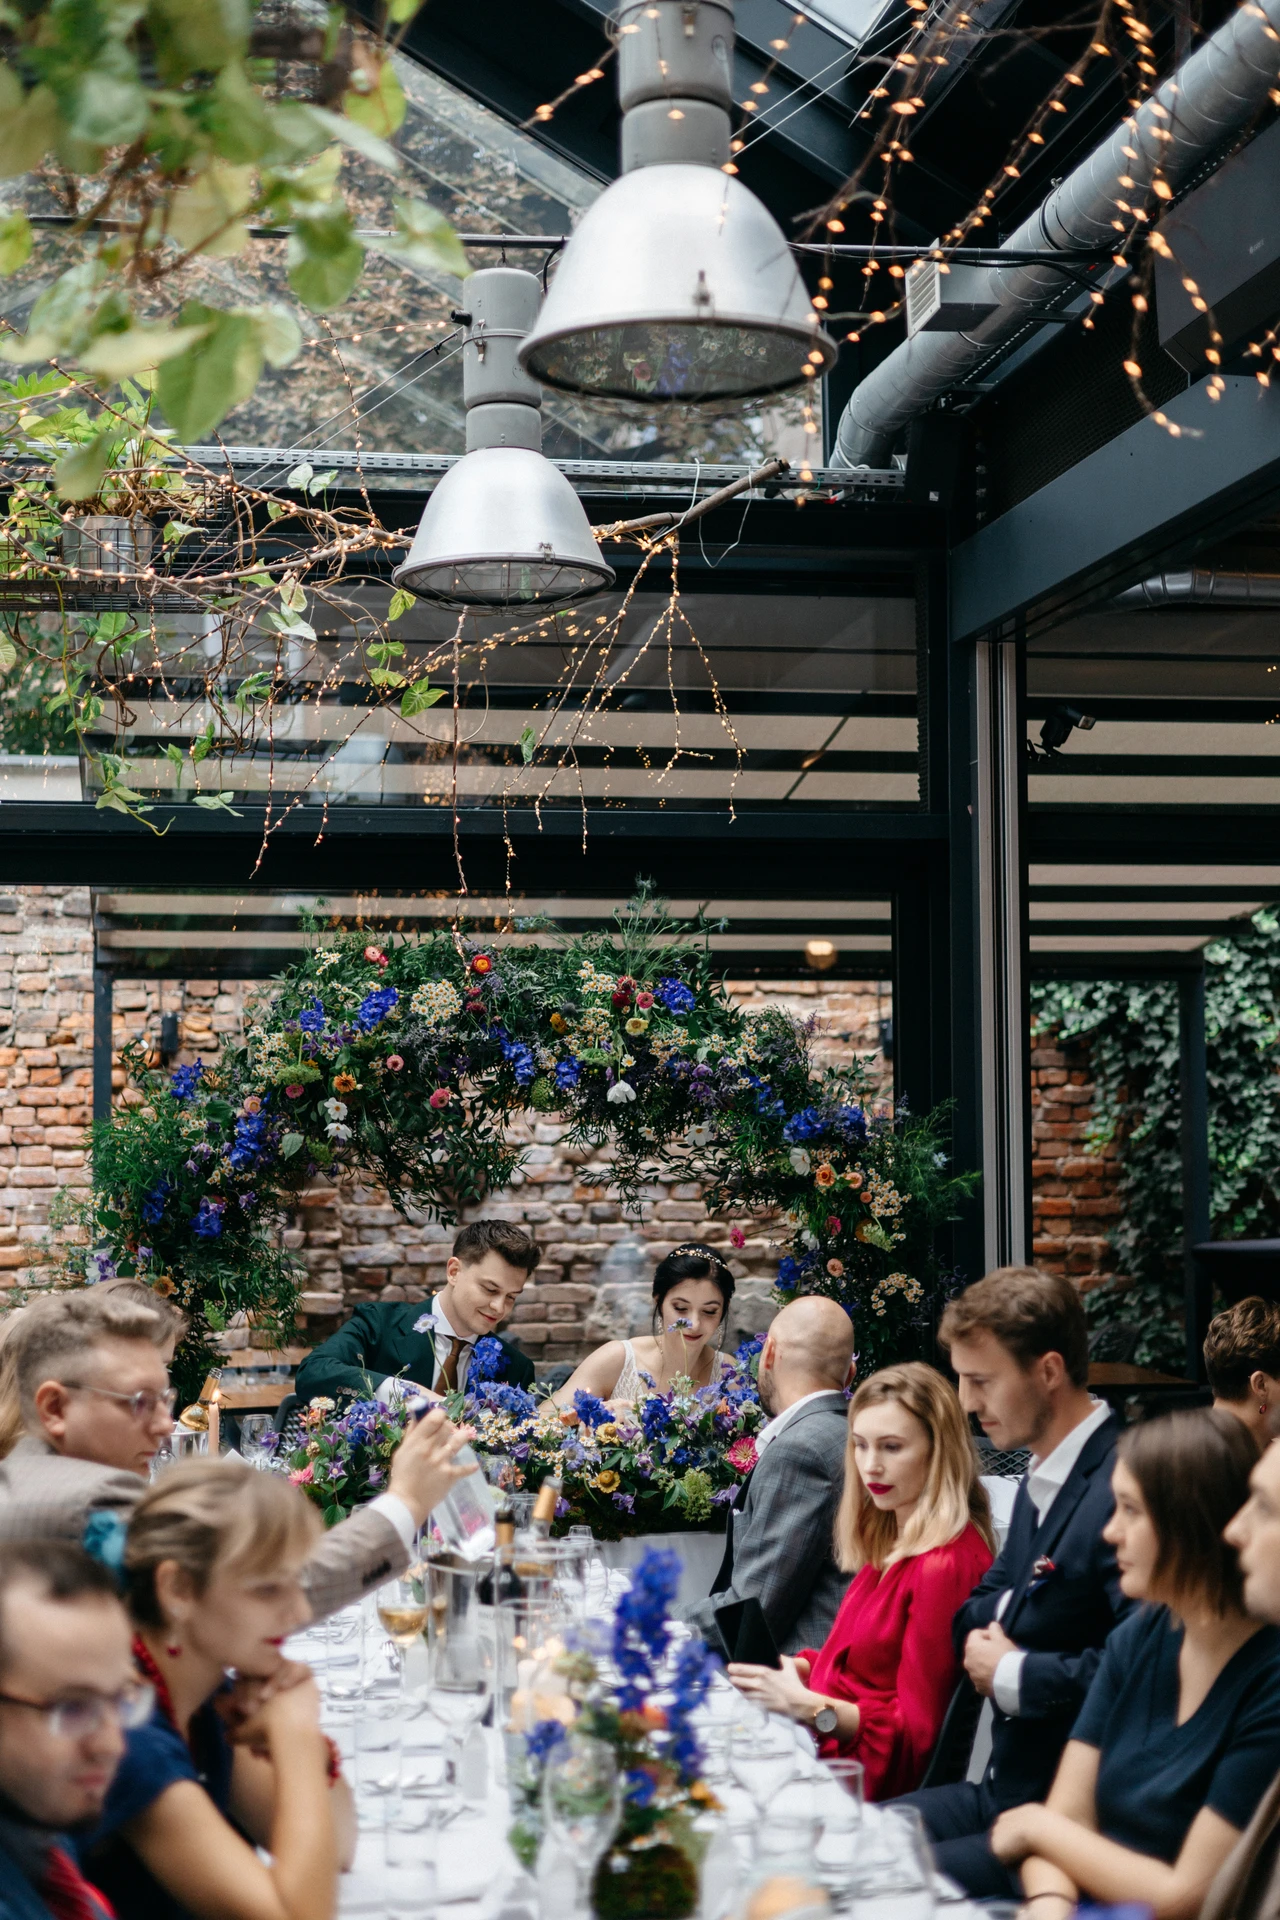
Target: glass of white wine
x=403 y=1608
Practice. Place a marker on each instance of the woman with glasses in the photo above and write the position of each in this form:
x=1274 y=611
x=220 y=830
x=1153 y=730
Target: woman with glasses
x=213 y=1571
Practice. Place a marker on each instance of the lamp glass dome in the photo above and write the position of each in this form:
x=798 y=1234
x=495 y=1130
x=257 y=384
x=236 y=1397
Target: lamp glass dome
x=677 y=286
x=504 y=528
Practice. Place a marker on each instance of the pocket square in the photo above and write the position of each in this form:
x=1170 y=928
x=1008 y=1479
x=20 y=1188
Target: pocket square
x=1044 y=1569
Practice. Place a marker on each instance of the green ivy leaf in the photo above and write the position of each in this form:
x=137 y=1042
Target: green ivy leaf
x=105 y=110
x=8 y=652
x=292 y=1143
x=401 y=601
x=401 y=10
x=424 y=239
x=198 y=388
x=203 y=38
x=28 y=125
x=114 y=356
x=418 y=697
x=528 y=744
x=79 y=474
x=385 y=677
x=381 y=106
x=324 y=258
x=362 y=132
x=217 y=803
x=256 y=687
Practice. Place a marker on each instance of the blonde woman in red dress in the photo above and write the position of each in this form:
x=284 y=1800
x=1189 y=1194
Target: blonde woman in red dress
x=914 y=1529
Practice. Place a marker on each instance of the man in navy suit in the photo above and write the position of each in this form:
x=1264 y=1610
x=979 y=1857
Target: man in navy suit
x=1031 y=1632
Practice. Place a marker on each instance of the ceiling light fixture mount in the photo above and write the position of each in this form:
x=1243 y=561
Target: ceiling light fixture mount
x=678 y=286
x=504 y=527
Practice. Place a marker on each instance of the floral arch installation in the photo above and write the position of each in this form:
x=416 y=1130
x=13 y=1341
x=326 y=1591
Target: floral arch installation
x=406 y=1064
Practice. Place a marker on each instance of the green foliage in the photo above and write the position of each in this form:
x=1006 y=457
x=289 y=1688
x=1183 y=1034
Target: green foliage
x=27 y=684
x=1132 y=1031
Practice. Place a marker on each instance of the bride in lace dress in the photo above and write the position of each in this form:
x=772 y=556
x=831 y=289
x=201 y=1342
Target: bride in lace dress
x=692 y=1289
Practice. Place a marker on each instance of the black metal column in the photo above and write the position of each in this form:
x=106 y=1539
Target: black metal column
x=1193 y=1080
x=1000 y=929
x=102 y=1006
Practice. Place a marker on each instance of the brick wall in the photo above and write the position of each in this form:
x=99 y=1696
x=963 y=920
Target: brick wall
x=593 y=1282
x=1074 y=1203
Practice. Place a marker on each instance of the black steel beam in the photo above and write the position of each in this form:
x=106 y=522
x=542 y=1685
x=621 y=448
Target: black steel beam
x=1133 y=506
x=1182 y=836
x=1193 y=1082
x=789 y=853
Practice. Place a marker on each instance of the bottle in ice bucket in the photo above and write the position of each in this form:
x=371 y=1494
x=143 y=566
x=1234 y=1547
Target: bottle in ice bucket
x=544 y=1508
x=463 y=1523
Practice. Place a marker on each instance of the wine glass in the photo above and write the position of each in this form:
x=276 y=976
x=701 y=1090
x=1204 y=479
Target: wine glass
x=892 y=1875
x=254 y=1428
x=403 y=1607
x=762 y=1758
x=581 y=1804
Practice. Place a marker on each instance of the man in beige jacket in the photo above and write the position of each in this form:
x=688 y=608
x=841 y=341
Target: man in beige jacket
x=96 y=1406
x=1247 y=1886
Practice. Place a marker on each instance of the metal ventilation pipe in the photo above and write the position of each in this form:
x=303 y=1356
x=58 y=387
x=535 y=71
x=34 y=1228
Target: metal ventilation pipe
x=1200 y=588
x=1212 y=96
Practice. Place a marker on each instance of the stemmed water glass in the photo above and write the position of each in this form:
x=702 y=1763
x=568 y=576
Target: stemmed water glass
x=581 y=1805
x=461 y=1651
x=762 y=1758
x=254 y=1445
x=892 y=1872
x=403 y=1607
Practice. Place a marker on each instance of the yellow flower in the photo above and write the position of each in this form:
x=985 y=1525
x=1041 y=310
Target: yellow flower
x=636 y=1025
x=607 y=1482
x=558 y=1023
x=607 y=1432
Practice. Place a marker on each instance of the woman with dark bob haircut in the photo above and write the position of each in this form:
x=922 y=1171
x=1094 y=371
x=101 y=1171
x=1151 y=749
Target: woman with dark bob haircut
x=1179 y=1735
x=692 y=1289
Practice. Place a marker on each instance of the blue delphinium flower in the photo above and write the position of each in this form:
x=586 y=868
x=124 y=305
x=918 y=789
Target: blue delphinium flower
x=184 y=1080
x=592 y=1412
x=507 y=1399
x=375 y=1007
x=312 y=1019
x=521 y=1061
x=541 y=1738
x=642 y=1628
x=696 y=1666
x=790 y=1274
x=655 y=1416
x=675 y=996
x=207 y=1224
x=850 y=1123
x=488 y=1360
x=805 y=1125
x=568 y=1074
x=153 y=1202
x=250 y=1140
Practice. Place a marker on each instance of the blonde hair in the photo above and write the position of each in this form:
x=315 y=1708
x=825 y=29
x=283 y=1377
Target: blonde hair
x=49 y=1338
x=213 y=1517
x=11 y=1421
x=953 y=1494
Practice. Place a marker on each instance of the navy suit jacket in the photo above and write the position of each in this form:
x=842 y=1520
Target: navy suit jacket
x=1060 y=1615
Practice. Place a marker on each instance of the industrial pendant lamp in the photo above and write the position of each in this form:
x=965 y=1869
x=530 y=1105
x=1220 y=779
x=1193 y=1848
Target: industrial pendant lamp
x=678 y=285
x=504 y=528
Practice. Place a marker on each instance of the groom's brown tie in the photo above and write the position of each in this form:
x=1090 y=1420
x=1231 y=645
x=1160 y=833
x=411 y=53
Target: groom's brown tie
x=448 y=1380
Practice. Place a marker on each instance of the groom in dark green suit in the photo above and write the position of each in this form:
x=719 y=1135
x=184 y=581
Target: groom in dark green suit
x=388 y=1348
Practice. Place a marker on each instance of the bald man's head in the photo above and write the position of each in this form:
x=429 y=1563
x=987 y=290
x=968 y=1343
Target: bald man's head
x=808 y=1349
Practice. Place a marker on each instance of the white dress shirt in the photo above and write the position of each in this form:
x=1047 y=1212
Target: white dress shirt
x=1045 y=1481
x=772 y=1428
x=395 y=1389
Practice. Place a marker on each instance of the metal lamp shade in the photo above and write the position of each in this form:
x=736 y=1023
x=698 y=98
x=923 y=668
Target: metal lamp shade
x=677 y=286
x=504 y=528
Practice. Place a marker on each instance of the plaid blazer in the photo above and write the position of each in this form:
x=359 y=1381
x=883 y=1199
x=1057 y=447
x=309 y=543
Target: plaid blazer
x=46 y=1496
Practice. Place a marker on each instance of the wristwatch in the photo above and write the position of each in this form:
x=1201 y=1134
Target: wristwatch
x=826 y=1720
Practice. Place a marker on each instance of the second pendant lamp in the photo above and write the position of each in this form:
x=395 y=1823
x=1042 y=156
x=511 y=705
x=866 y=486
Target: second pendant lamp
x=503 y=528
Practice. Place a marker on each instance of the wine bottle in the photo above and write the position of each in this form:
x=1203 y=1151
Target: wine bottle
x=504 y=1583
x=544 y=1508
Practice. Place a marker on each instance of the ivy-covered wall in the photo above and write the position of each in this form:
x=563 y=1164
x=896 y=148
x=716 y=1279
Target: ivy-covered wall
x=1131 y=1030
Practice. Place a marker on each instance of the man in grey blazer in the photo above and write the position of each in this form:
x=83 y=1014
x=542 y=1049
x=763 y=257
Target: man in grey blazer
x=96 y=1405
x=779 y=1545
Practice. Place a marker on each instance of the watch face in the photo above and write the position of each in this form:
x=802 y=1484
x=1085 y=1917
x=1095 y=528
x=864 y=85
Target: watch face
x=825 y=1719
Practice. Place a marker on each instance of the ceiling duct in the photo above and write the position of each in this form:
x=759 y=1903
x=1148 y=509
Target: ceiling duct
x=1212 y=96
x=1199 y=588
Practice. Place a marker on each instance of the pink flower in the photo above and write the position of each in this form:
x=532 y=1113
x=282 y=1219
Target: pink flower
x=375 y=956
x=395 y=1062
x=294 y=1092
x=835 y=1268
x=737 y=1238
x=252 y=1104
x=742 y=1454
x=440 y=1098
x=644 y=1001
x=302 y=1477
x=834 y=1223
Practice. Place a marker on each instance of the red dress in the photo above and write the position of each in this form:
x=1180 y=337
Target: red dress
x=890 y=1651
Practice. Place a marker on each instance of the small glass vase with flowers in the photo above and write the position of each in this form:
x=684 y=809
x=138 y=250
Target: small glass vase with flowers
x=605 y=1687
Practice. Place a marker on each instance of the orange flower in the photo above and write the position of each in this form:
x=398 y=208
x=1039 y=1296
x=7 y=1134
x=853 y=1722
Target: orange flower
x=559 y=1024
x=853 y=1179
x=825 y=1176
x=482 y=963
x=344 y=1083
x=163 y=1284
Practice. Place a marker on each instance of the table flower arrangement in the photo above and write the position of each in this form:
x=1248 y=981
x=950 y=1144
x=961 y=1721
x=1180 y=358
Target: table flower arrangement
x=405 y=1063
x=671 y=1464
x=650 y=1869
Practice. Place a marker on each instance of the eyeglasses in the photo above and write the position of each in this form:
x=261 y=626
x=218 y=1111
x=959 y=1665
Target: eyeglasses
x=73 y=1719
x=144 y=1405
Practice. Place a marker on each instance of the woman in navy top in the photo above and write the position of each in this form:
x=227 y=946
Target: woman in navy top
x=1179 y=1734
x=212 y=1564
